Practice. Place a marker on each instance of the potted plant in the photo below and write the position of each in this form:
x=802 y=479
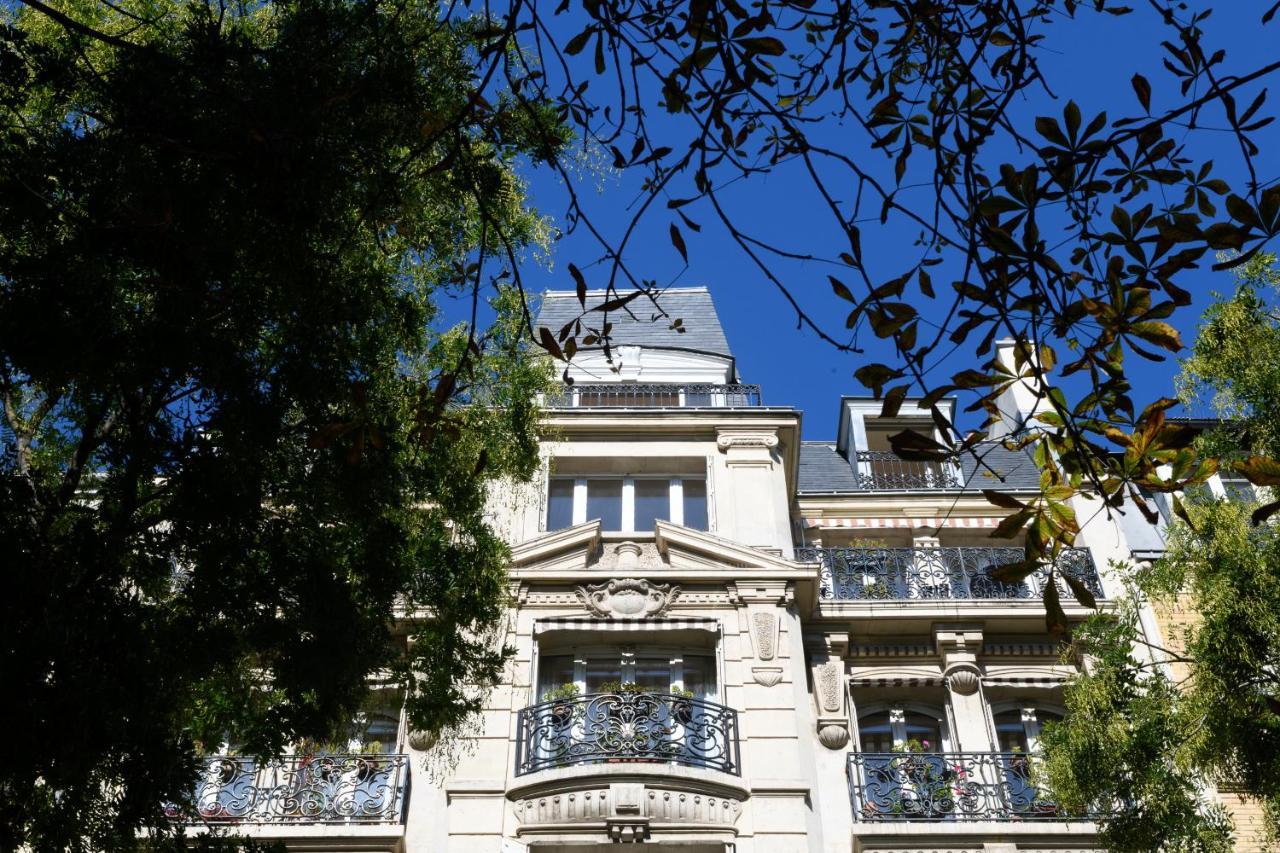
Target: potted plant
x=563 y=697
x=681 y=706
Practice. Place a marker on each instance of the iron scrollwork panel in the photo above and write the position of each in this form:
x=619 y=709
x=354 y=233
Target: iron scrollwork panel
x=948 y=787
x=627 y=727
x=855 y=574
x=303 y=789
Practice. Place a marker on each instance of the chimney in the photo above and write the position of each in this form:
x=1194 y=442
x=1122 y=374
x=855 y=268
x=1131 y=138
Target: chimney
x=1018 y=403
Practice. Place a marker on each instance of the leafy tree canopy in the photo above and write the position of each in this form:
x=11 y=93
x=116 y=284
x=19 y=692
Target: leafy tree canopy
x=238 y=434
x=1148 y=724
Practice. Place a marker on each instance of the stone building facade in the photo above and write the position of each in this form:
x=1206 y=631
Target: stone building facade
x=728 y=638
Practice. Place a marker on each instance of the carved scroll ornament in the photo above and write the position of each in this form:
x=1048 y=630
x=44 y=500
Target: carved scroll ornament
x=628 y=598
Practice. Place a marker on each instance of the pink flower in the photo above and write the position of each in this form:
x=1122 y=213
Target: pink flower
x=925 y=743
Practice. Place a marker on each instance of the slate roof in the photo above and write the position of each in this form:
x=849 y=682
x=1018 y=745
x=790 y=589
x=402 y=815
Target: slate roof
x=642 y=326
x=824 y=471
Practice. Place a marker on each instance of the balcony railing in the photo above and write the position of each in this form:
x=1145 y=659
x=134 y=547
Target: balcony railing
x=881 y=470
x=300 y=789
x=626 y=395
x=949 y=786
x=893 y=574
x=627 y=728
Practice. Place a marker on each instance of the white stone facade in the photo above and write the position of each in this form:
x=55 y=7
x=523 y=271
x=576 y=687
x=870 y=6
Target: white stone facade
x=763 y=695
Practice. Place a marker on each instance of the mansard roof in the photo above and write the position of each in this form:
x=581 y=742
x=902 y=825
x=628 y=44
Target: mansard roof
x=823 y=470
x=640 y=324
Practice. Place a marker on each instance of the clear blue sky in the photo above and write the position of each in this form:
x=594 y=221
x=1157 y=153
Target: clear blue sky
x=1090 y=60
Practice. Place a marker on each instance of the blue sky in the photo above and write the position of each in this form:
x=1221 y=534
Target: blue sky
x=1090 y=60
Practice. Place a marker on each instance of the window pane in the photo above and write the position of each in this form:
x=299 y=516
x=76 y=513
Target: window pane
x=700 y=675
x=1010 y=732
x=925 y=729
x=554 y=671
x=874 y=732
x=560 y=504
x=602 y=673
x=695 y=504
x=654 y=674
x=653 y=502
x=604 y=501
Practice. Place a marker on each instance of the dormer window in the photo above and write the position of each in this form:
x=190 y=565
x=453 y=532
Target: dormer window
x=627 y=504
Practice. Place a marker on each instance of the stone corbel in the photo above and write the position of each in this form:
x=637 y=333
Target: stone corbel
x=747 y=447
x=764 y=602
x=627 y=823
x=958 y=645
x=829 y=690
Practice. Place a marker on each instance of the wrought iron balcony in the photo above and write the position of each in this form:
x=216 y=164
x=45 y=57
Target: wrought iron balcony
x=949 y=786
x=894 y=574
x=300 y=789
x=628 y=395
x=881 y=470
x=627 y=727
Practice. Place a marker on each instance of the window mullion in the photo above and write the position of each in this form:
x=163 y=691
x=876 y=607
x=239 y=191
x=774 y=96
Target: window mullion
x=677 y=501
x=579 y=501
x=628 y=504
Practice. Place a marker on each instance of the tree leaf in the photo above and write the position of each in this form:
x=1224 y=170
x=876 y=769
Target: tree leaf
x=1259 y=470
x=548 y=342
x=893 y=400
x=1055 y=620
x=1000 y=499
x=1143 y=90
x=1082 y=593
x=678 y=241
x=841 y=289
x=580 y=284
x=1264 y=512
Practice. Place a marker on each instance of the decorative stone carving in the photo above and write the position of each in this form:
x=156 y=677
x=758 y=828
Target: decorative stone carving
x=768 y=676
x=629 y=806
x=765 y=627
x=727 y=440
x=833 y=736
x=828 y=677
x=627 y=555
x=628 y=598
x=421 y=739
x=963 y=681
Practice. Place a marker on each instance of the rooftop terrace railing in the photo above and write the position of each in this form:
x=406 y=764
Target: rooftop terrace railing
x=300 y=790
x=949 y=786
x=894 y=574
x=627 y=727
x=629 y=395
x=881 y=470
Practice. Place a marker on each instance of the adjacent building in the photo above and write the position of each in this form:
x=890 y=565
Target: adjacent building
x=728 y=638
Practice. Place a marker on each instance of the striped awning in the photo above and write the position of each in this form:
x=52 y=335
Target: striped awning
x=966 y=522
x=1024 y=681
x=590 y=623
x=893 y=681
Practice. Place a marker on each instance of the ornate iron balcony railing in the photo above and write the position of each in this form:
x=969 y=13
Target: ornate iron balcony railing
x=626 y=395
x=949 y=786
x=300 y=789
x=892 y=574
x=881 y=470
x=627 y=728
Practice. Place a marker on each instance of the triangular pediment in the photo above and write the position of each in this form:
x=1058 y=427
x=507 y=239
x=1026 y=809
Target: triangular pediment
x=671 y=551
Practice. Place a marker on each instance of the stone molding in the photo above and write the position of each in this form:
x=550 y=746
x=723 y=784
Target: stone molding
x=627 y=809
x=627 y=598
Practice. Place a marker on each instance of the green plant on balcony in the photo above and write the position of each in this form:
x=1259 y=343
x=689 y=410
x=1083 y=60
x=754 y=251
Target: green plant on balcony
x=564 y=697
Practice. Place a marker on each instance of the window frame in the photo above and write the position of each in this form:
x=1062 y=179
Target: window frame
x=675 y=499
x=627 y=655
x=1032 y=724
x=897 y=711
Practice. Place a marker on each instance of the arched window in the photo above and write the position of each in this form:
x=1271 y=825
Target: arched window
x=1018 y=728
x=902 y=726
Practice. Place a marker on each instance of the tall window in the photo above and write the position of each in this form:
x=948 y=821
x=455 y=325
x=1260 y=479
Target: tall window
x=898 y=727
x=603 y=669
x=627 y=503
x=1018 y=729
